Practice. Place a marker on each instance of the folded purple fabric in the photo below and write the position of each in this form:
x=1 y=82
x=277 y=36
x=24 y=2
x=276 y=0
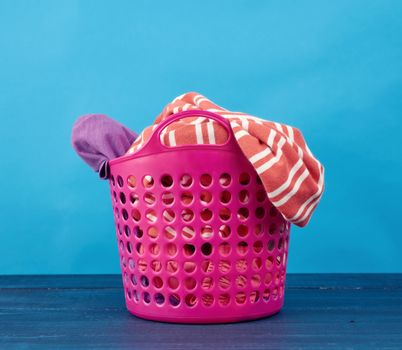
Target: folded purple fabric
x=97 y=138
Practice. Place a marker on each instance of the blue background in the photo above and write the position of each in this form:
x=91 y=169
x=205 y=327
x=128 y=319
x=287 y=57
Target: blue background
x=331 y=68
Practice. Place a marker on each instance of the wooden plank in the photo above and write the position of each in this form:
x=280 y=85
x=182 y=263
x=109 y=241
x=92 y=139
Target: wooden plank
x=321 y=312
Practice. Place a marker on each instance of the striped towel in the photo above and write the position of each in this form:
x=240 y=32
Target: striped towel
x=291 y=175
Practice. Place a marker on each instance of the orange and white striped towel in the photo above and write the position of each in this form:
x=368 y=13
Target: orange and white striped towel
x=291 y=175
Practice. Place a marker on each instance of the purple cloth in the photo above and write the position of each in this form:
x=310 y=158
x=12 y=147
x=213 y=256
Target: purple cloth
x=97 y=138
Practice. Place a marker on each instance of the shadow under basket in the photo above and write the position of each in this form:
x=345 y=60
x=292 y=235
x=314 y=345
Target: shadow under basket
x=199 y=241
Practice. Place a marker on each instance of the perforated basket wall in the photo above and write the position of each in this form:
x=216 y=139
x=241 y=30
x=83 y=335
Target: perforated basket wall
x=198 y=239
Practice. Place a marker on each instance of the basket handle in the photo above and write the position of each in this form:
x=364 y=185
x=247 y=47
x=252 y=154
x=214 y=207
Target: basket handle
x=154 y=144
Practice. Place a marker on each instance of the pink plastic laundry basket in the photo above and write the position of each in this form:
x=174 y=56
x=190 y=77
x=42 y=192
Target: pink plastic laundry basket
x=199 y=241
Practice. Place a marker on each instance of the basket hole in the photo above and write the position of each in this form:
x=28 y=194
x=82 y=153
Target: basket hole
x=243 y=214
x=134 y=198
x=122 y=198
x=191 y=300
x=123 y=261
x=157 y=282
x=241 y=281
x=153 y=232
x=174 y=299
x=139 y=248
x=225 y=197
x=172 y=266
x=224 y=299
x=171 y=249
x=266 y=295
x=188 y=232
x=144 y=281
x=254 y=296
x=242 y=230
x=159 y=298
x=169 y=215
x=256 y=264
x=258 y=229
x=244 y=179
x=121 y=245
x=207 y=266
x=225 y=214
x=206 y=214
x=167 y=198
x=241 y=265
x=224 y=249
x=206 y=180
x=205 y=197
x=207 y=232
x=272 y=228
x=206 y=249
x=271 y=245
x=269 y=263
x=112 y=180
x=186 y=180
x=240 y=298
x=224 y=266
x=277 y=278
x=260 y=212
x=166 y=181
x=224 y=231
x=188 y=249
x=136 y=215
x=131 y=181
x=125 y=214
x=242 y=248
x=147 y=297
x=154 y=249
x=142 y=265
x=186 y=198
x=149 y=198
x=128 y=294
x=190 y=283
x=225 y=180
x=138 y=232
x=133 y=279
x=187 y=215
x=261 y=196
x=127 y=231
x=257 y=247
x=267 y=279
x=156 y=265
x=207 y=283
x=131 y=264
x=273 y=212
x=280 y=243
x=173 y=282
x=244 y=196
x=224 y=282
x=189 y=266
x=278 y=260
x=207 y=300
x=151 y=216
x=170 y=232
x=119 y=229
x=120 y=181
x=129 y=247
x=275 y=293
x=116 y=211
x=148 y=181
x=115 y=196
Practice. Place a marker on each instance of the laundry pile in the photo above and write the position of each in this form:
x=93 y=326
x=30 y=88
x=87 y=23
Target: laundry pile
x=292 y=177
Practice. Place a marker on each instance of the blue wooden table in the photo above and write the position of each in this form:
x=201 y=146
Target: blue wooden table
x=331 y=311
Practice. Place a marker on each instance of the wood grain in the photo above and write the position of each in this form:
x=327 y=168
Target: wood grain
x=322 y=311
